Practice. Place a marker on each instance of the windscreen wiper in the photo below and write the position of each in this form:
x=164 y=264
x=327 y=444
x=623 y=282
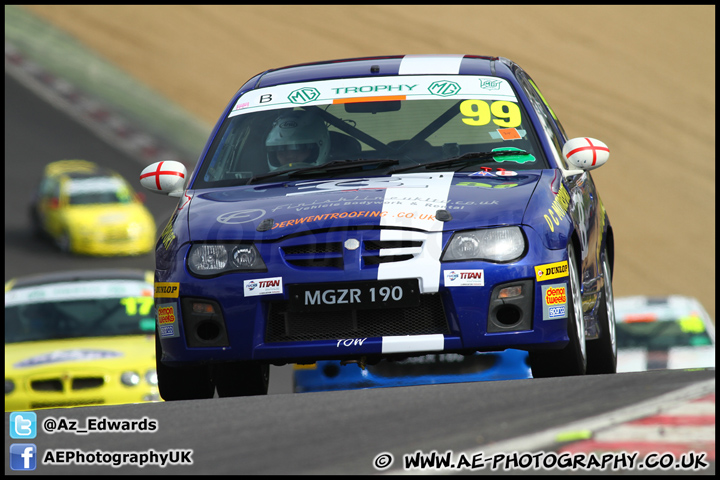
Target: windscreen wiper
x=464 y=160
x=334 y=165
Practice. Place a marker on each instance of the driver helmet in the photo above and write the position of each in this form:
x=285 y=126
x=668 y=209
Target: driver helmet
x=298 y=130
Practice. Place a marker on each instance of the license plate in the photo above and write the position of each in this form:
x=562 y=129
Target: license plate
x=401 y=293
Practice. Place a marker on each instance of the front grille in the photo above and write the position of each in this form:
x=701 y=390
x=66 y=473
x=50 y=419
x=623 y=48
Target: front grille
x=376 y=260
x=427 y=318
x=315 y=255
x=317 y=262
x=313 y=248
x=57 y=385
x=330 y=255
x=117 y=233
x=87 y=383
x=66 y=403
x=52 y=385
x=378 y=244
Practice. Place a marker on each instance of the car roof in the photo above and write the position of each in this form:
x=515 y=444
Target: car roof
x=382 y=66
x=666 y=307
x=80 y=276
x=76 y=169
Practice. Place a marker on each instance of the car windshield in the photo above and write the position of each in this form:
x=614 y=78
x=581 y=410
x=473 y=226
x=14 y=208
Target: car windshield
x=78 y=310
x=663 y=334
x=97 y=190
x=371 y=126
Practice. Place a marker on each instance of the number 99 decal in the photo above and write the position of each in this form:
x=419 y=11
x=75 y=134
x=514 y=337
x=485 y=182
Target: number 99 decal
x=478 y=112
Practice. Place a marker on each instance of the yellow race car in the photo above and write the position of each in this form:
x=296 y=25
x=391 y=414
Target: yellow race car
x=80 y=338
x=86 y=209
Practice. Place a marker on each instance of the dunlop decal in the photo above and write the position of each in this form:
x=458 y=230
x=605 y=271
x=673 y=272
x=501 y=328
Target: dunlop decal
x=551 y=271
x=167 y=290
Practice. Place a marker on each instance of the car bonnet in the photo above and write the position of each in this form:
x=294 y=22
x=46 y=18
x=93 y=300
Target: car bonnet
x=105 y=215
x=101 y=352
x=432 y=201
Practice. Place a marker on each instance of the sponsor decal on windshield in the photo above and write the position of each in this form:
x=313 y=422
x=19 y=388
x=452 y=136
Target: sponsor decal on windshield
x=67 y=291
x=410 y=87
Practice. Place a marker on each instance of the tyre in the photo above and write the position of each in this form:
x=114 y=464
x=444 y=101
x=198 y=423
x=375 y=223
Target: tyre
x=63 y=242
x=241 y=379
x=182 y=383
x=571 y=360
x=602 y=352
x=35 y=222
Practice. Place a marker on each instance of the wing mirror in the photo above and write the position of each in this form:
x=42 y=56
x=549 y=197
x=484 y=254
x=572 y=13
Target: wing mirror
x=166 y=178
x=585 y=153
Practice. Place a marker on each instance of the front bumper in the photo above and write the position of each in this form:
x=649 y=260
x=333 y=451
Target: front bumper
x=72 y=390
x=109 y=245
x=462 y=319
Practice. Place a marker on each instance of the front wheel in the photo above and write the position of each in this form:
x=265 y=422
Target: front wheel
x=241 y=379
x=571 y=360
x=602 y=352
x=182 y=383
x=37 y=229
x=63 y=242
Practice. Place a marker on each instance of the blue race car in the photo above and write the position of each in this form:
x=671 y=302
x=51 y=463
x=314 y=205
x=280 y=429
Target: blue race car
x=382 y=208
x=433 y=368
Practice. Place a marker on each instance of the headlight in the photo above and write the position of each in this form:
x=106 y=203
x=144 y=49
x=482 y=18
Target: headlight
x=212 y=259
x=135 y=229
x=9 y=386
x=151 y=377
x=86 y=231
x=493 y=244
x=130 y=378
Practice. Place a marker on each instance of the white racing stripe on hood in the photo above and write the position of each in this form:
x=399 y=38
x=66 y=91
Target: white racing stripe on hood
x=425 y=266
x=426 y=64
x=413 y=203
x=412 y=200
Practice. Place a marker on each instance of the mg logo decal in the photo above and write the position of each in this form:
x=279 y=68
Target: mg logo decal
x=490 y=84
x=444 y=88
x=304 y=95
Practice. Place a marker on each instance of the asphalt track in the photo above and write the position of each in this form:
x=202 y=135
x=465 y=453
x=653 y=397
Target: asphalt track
x=285 y=433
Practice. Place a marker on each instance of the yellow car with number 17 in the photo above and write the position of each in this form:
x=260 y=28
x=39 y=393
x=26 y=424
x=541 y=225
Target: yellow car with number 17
x=80 y=338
